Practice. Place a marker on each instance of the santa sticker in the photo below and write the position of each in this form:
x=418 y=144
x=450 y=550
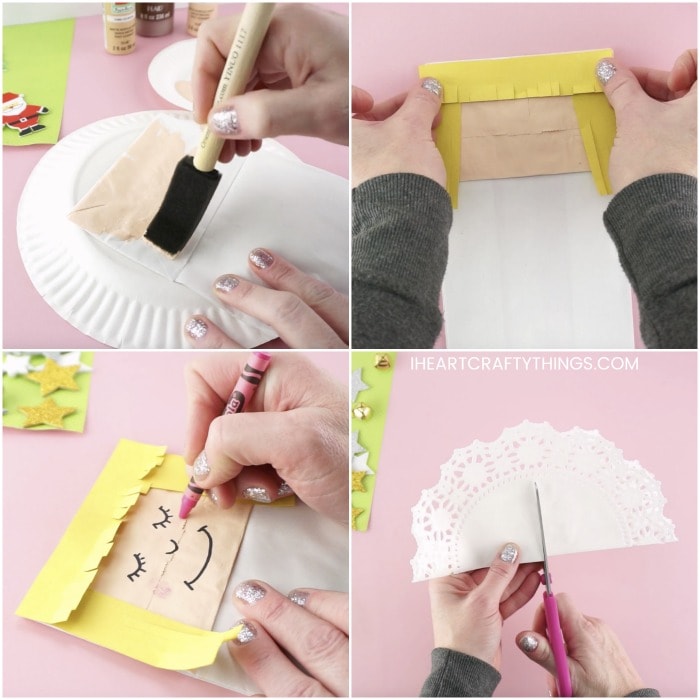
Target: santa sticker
x=20 y=116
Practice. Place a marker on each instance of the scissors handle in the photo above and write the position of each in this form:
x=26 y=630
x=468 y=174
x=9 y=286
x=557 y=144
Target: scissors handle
x=556 y=641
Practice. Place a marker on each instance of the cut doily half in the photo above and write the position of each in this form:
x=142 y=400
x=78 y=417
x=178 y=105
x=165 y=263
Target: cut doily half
x=592 y=499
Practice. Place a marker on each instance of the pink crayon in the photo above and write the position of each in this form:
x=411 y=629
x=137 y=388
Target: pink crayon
x=242 y=393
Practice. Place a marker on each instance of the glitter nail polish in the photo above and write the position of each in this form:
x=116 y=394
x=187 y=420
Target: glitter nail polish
x=528 y=643
x=214 y=498
x=284 y=490
x=261 y=258
x=257 y=494
x=298 y=597
x=247 y=634
x=250 y=592
x=226 y=284
x=605 y=71
x=196 y=328
x=226 y=122
x=200 y=467
x=509 y=553
x=432 y=85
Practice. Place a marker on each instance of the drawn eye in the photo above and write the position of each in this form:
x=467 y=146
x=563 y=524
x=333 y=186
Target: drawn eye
x=167 y=517
x=175 y=547
x=140 y=561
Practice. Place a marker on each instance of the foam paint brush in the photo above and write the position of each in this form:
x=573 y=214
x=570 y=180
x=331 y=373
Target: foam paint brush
x=195 y=178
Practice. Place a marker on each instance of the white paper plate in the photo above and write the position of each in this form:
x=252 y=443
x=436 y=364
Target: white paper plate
x=170 y=66
x=100 y=291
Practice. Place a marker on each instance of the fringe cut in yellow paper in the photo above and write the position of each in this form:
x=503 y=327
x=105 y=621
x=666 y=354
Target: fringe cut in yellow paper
x=546 y=75
x=61 y=594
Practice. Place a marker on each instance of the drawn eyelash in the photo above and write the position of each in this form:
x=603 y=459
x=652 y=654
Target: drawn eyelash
x=176 y=547
x=140 y=561
x=167 y=517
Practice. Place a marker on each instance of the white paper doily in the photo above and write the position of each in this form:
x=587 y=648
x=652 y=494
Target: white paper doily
x=112 y=298
x=169 y=66
x=592 y=499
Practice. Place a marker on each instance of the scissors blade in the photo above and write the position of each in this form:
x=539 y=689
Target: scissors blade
x=545 y=561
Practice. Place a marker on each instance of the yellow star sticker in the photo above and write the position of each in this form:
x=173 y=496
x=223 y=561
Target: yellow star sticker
x=357 y=484
x=54 y=377
x=48 y=413
x=355 y=513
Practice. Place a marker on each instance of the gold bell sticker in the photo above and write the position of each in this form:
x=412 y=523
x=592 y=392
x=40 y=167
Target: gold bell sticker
x=382 y=361
x=362 y=411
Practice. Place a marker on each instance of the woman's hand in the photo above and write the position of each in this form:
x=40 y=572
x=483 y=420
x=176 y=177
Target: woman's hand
x=468 y=609
x=310 y=625
x=305 y=312
x=396 y=136
x=299 y=83
x=598 y=663
x=296 y=426
x=656 y=114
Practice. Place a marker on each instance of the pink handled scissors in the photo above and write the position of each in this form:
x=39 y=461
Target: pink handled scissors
x=551 y=615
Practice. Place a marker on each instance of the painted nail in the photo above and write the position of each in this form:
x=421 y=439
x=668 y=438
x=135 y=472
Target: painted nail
x=196 y=328
x=298 y=597
x=605 y=70
x=226 y=283
x=226 y=122
x=247 y=634
x=200 y=467
x=284 y=490
x=249 y=592
x=257 y=494
x=261 y=258
x=214 y=498
x=509 y=553
x=432 y=85
x=528 y=643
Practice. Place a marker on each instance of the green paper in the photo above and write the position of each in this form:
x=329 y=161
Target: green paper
x=371 y=430
x=20 y=391
x=35 y=59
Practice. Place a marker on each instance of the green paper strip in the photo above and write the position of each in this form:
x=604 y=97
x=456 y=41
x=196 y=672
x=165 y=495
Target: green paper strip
x=36 y=58
x=19 y=391
x=371 y=431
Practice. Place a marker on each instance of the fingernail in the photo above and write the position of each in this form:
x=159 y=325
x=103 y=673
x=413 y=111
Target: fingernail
x=226 y=122
x=605 y=70
x=509 y=553
x=432 y=85
x=226 y=283
x=249 y=592
x=528 y=643
x=247 y=634
x=200 y=468
x=261 y=258
x=284 y=490
x=298 y=597
x=257 y=494
x=214 y=498
x=196 y=328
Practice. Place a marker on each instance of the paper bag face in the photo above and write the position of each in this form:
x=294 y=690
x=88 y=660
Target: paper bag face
x=172 y=567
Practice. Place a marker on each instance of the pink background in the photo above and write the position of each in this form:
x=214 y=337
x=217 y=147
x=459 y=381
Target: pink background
x=46 y=476
x=390 y=41
x=646 y=594
x=101 y=86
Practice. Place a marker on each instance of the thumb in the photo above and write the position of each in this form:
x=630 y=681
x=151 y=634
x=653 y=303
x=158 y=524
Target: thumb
x=619 y=84
x=501 y=572
x=361 y=100
x=536 y=647
x=422 y=104
x=304 y=111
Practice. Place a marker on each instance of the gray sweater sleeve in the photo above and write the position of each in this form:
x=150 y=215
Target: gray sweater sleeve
x=454 y=674
x=653 y=223
x=400 y=227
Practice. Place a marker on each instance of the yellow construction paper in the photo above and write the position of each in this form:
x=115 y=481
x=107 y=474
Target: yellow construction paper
x=61 y=594
x=525 y=77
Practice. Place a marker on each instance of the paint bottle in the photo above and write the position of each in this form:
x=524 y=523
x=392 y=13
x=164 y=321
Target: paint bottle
x=199 y=12
x=154 y=19
x=120 y=27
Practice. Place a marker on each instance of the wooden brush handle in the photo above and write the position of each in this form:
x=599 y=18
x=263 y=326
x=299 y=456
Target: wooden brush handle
x=251 y=31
